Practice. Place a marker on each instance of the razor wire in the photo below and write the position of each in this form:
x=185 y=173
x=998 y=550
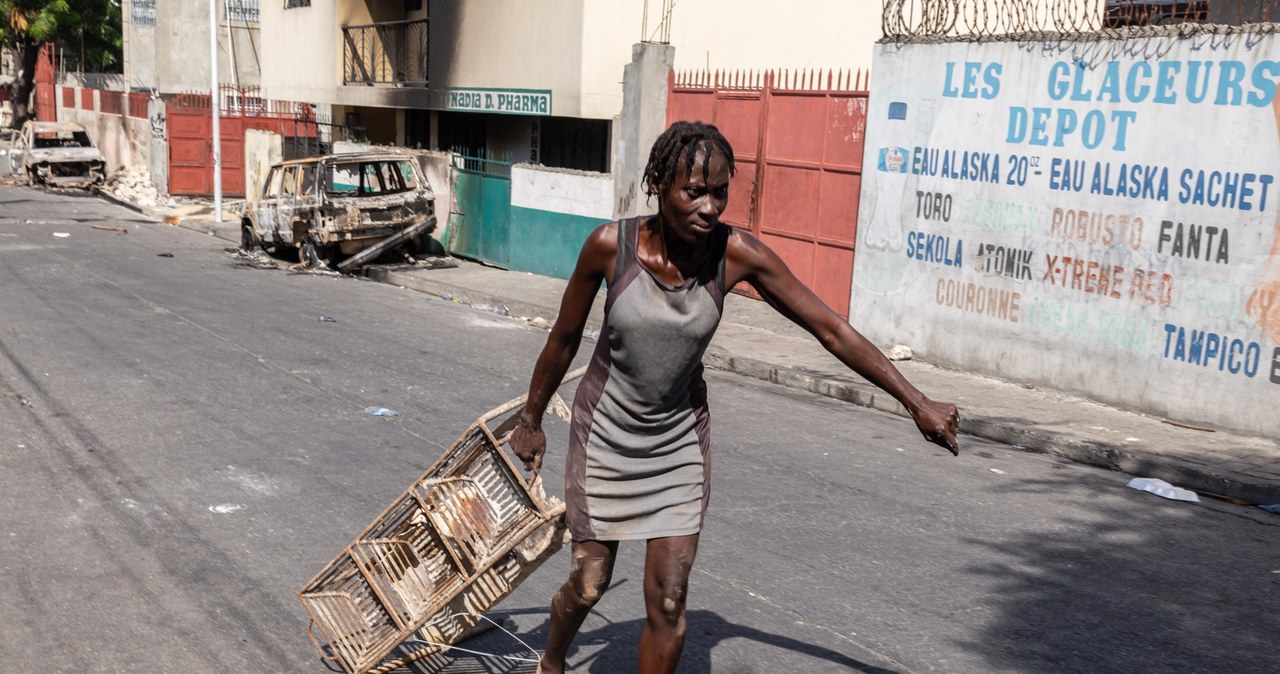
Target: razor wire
x=980 y=20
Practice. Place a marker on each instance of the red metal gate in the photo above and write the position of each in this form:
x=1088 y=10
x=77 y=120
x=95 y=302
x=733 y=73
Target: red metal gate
x=797 y=140
x=46 y=75
x=190 y=130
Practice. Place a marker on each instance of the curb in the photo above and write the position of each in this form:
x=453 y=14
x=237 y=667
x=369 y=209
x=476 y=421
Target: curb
x=463 y=295
x=106 y=196
x=1200 y=478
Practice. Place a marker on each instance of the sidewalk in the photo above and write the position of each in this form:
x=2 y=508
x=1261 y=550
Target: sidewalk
x=755 y=341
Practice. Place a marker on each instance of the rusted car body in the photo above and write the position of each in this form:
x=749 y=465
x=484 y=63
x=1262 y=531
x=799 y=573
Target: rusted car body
x=58 y=154
x=340 y=205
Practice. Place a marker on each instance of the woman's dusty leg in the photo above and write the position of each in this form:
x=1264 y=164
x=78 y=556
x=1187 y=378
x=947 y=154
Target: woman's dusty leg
x=666 y=584
x=589 y=575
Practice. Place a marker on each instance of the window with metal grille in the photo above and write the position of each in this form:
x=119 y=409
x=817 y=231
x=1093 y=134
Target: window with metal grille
x=242 y=11
x=142 y=12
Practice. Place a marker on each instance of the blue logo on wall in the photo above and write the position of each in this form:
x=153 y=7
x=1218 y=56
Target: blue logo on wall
x=892 y=160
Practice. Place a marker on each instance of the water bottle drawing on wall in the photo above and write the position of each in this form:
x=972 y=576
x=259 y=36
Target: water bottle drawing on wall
x=885 y=232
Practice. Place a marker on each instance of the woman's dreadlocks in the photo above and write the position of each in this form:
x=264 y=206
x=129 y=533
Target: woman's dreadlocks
x=683 y=140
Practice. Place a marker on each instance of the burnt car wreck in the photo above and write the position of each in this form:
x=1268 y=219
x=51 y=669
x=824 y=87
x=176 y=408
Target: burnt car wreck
x=342 y=210
x=57 y=154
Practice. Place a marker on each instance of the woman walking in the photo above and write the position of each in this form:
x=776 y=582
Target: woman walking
x=638 y=466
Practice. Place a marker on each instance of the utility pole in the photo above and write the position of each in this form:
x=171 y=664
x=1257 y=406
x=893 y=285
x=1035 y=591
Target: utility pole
x=216 y=105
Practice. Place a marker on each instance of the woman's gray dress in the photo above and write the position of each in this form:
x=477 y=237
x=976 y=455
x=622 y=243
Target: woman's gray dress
x=639 y=464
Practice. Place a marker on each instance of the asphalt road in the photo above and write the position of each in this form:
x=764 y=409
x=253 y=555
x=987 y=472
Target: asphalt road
x=183 y=445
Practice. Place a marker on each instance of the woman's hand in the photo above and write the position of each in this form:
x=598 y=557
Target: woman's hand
x=939 y=423
x=529 y=443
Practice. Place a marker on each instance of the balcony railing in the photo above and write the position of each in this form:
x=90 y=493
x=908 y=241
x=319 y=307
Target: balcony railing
x=390 y=53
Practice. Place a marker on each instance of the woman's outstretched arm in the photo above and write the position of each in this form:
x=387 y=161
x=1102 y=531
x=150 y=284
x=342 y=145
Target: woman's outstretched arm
x=752 y=261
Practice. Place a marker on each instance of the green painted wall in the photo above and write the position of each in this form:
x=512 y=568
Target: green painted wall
x=546 y=242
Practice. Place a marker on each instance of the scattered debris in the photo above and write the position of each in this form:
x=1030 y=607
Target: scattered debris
x=1269 y=508
x=61 y=235
x=997 y=471
x=105 y=228
x=133 y=184
x=14 y=394
x=172 y=220
x=500 y=309
x=326 y=319
x=540 y=322
x=1163 y=489
x=1180 y=424
x=164 y=254
x=225 y=508
x=381 y=412
x=899 y=352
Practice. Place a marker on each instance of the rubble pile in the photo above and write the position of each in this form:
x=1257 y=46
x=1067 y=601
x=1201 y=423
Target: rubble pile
x=133 y=184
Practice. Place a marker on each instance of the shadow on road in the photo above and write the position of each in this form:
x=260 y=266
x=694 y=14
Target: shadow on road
x=1140 y=584
x=613 y=648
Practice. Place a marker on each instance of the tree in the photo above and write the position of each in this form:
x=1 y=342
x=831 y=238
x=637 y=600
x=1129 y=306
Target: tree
x=89 y=30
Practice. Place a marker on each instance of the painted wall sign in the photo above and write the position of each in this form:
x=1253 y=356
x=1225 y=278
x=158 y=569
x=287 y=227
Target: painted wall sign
x=502 y=101
x=1102 y=217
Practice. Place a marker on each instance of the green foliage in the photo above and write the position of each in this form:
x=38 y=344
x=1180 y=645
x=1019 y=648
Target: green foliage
x=87 y=30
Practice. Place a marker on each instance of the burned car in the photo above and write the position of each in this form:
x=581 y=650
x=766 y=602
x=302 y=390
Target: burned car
x=58 y=154
x=342 y=210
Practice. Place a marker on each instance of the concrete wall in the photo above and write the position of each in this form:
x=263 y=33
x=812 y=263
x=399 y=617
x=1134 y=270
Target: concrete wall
x=139 y=49
x=123 y=140
x=173 y=55
x=262 y=149
x=552 y=212
x=765 y=34
x=302 y=36
x=1044 y=214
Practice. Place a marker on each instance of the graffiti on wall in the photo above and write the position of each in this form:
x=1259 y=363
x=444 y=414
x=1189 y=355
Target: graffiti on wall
x=1079 y=199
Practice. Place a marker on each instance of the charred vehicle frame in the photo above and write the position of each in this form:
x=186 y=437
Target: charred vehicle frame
x=57 y=154
x=347 y=207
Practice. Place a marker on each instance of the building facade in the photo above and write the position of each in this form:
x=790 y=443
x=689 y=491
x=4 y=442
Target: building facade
x=530 y=81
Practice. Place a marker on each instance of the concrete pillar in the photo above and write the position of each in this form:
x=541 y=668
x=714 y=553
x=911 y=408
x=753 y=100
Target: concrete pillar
x=643 y=119
x=158 y=158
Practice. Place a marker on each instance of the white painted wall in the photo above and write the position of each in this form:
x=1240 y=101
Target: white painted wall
x=302 y=60
x=580 y=193
x=996 y=274
x=765 y=34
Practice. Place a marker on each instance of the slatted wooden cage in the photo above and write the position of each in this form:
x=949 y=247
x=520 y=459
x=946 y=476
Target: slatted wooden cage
x=457 y=541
